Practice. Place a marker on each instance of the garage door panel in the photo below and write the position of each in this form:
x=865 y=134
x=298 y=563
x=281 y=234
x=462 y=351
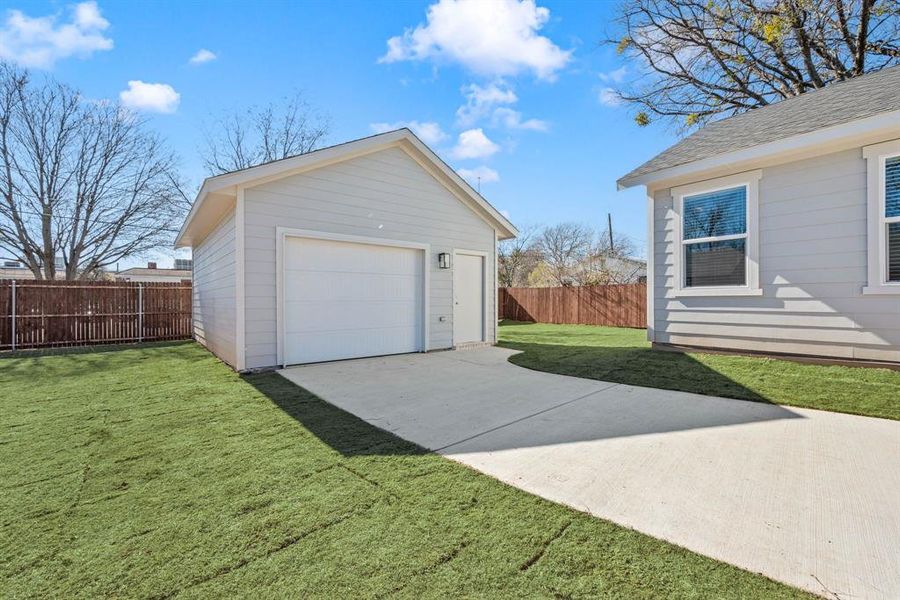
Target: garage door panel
x=317 y=316
x=339 y=345
x=349 y=300
x=323 y=285
x=344 y=257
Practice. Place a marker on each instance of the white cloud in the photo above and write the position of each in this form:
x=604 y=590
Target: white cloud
x=609 y=97
x=482 y=173
x=202 y=56
x=505 y=213
x=474 y=144
x=512 y=119
x=429 y=132
x=614 y=76
x=39 y=42
x=151 y=97
x=480 y=100
x=493 y=100
x=492 y=38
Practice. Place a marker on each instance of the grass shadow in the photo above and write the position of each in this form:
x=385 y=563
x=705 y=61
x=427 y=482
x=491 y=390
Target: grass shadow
x=624 y=356
x=643 y=367
x=91 y=359
x=90 y=349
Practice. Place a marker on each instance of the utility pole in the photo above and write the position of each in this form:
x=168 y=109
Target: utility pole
x=479 y=184
x=609 y=227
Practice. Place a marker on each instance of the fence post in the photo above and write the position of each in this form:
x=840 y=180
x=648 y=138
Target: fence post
x=140 y=312
x=13 y=314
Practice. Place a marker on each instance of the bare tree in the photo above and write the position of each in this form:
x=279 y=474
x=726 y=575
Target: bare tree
x=516 y=258
x=83 y=184
x=563 y=247
x=705 y=58
x=243 y=139
x=609 y=261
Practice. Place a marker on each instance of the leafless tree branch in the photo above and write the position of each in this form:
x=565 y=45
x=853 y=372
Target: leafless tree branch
x=240 y=140
x=81 y=181
x=701 y=59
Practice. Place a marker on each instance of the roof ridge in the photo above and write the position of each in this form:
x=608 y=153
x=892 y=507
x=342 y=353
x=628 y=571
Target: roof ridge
x=313 y=151
x=805 y=95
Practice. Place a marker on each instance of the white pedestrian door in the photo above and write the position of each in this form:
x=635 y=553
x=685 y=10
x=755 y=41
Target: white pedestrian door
x=468 y=298
x=349 y=300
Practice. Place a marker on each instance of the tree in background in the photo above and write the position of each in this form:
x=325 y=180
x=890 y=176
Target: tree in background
x=517 y=258
x=243 y=139
x=573 y=254
x=609 y=261
x=707 y=58
x=82 y=184
x=563 y=247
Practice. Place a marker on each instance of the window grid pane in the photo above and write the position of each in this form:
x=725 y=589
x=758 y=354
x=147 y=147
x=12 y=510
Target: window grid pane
x=715 y=214
x=714 y=264
x=892 y=187
x=893 y=252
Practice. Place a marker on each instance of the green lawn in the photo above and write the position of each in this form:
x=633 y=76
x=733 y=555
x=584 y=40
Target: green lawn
x=624 y=356
x=158 y=472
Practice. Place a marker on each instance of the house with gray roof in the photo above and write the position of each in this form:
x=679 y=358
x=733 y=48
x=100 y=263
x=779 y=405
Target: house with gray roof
x=778 y=230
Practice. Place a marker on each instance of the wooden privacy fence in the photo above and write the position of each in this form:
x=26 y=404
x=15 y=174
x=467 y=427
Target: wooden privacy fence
x=36 y=314
x=612 y=305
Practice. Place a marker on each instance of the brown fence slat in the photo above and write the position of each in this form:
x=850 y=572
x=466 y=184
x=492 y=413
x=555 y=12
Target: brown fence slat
x=71 y=313
x=622 y=305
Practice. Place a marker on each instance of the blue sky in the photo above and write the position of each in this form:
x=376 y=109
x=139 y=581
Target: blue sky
x=532 y=79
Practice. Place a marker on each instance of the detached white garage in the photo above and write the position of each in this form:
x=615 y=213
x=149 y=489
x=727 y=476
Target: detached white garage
x=367 y=248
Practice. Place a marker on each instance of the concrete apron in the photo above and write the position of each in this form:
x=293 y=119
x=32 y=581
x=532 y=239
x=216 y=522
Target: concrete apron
x=807 y=497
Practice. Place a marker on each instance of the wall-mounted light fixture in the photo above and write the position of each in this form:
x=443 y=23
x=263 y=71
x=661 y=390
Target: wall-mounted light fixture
x=444 y=260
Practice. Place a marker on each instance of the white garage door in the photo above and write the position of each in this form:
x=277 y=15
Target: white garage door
x=348 y=300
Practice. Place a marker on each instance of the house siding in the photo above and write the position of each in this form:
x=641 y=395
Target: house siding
x=214 y=291
x=385 y=194
x=812 y=268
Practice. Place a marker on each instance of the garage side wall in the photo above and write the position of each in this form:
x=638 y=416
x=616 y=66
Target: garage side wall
x=386 y=195
x=214 y=291
x=812 y=269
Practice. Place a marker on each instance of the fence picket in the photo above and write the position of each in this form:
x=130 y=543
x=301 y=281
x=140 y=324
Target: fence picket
x=35 y=314
x=622 y=305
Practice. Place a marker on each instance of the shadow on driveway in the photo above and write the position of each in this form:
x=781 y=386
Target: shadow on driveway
x=341 y=430
x=443 y=399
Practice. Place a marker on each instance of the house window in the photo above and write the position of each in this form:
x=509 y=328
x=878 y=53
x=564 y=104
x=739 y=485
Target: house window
x=717 y=238
x=883 y=193
x=892 y=217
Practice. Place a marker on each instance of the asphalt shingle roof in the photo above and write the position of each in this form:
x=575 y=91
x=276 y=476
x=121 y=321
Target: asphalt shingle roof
x=842 y=102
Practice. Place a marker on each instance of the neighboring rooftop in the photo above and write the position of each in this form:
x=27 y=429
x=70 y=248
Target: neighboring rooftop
x=151 y=270
x=864 y=96
x=145 y=271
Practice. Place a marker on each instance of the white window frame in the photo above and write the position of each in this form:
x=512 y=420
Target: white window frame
x=876 y=157
x=750 y=181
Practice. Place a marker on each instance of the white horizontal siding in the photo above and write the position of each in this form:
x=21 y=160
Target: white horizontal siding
x=812 y=237
x=214 y=291
x=382 y=195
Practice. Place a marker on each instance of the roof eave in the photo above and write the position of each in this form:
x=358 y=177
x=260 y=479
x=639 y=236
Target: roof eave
x=814 y=143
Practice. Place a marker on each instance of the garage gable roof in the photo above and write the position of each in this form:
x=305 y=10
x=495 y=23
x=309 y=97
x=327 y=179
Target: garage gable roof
x=215 y=198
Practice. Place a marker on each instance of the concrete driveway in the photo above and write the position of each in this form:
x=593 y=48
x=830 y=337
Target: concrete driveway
x=807 y=497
